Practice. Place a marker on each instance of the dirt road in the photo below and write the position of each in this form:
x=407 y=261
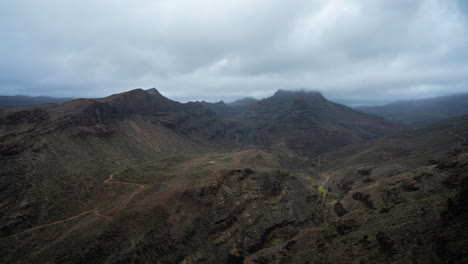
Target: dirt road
x=458 y=136
x=109 y=180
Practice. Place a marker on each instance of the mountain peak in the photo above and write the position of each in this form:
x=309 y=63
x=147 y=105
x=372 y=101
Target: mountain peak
x=299 y=94
x=243 y=102
x=136 y=101
x=153 y=91
x=138 y=95
x=281 y=92
x=283 y=98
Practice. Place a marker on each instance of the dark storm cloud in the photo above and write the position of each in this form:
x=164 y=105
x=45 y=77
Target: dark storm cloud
x=352 y=50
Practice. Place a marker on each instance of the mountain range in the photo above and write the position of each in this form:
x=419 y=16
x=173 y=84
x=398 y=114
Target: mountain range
x=293 y=178
x=421 y=113
x=16 y=100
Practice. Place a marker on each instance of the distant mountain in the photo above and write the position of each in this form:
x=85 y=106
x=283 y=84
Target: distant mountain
x=306 y=123
x=30 y=100
x=420 y=113
x=227 y=110
x=220 y=108
x=243 y=102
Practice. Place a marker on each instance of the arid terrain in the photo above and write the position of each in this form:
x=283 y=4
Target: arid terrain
x=293 y=178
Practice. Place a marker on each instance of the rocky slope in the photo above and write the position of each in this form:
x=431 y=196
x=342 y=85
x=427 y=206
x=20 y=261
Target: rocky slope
x=227 y=214
x=61 y=153
x=398 y=200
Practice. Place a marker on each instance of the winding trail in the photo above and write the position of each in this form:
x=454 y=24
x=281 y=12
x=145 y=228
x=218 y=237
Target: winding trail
x=141 y=187
x=96 y=212
x=458 y=136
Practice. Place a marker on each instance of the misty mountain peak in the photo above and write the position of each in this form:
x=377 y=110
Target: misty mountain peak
x=283 y=98
x=300 y=94
x=243 y=102
x=139 y=95
x=152 y=91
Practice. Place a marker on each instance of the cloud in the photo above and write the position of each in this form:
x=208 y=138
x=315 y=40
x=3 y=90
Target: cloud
x=352 y=50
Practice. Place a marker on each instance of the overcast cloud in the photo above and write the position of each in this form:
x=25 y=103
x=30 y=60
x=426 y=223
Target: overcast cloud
x=354 y=51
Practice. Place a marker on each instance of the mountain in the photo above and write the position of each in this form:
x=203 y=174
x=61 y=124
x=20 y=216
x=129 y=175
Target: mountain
x=243 y=102
x=220 y=108
x=421 y=113
x=305 y=123
x=138 y=178
x=30 y=100
x=228 y=110
x=142 y=112
x=60 y=153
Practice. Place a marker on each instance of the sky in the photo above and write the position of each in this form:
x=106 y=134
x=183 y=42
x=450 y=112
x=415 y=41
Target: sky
x=353 y=51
